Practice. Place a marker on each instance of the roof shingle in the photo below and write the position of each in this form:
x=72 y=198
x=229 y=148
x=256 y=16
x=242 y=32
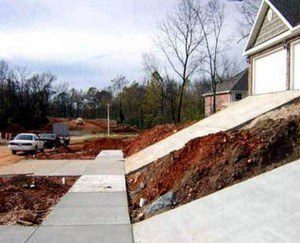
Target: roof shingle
x=290 y=9
x=238 y=83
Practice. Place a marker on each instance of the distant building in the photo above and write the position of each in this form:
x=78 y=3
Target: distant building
x=229 y=91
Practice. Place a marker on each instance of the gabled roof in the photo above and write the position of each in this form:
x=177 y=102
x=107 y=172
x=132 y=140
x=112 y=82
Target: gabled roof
x=290 y=10
x=238 y=83
x=287 y=10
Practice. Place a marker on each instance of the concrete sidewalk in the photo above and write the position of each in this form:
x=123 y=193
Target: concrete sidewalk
x=94 y=210
x=235 y=115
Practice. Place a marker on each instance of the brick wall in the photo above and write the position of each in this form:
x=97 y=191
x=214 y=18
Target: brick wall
x=287 y=45
x=222 y=100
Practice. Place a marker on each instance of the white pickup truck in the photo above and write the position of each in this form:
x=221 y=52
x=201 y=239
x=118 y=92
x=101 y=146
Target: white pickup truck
x=26 y=142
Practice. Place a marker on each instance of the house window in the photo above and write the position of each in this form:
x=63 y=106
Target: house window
x=238 y=96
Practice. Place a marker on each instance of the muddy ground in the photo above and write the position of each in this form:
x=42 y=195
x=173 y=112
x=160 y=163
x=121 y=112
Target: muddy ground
x=28 y=200
x=211 y=163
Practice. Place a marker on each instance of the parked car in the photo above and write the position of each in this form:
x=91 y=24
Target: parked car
x=26 y=142
x=50 y=140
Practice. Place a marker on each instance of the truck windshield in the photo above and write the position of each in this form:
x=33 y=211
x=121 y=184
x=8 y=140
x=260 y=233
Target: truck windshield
x=24 y=137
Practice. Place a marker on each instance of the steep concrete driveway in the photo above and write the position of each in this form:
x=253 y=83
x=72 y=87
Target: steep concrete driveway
x=265 y=208
x=235 y=115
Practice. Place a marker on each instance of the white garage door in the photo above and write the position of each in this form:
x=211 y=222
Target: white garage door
x=296 y=65
x=270 y=73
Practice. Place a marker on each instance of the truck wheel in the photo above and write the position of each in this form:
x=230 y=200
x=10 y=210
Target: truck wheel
x=14 y=152
x=42 y=150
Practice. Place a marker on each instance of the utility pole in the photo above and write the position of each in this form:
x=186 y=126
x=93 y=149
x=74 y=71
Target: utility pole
x=108 y=124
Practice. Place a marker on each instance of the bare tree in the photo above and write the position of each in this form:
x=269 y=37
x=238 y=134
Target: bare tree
x=150 y=63
x=229 y=68
x=211 y=20
x=179 y=37
x=248 y=10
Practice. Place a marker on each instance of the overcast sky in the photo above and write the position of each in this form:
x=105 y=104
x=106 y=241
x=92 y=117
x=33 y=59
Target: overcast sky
x=86 y=42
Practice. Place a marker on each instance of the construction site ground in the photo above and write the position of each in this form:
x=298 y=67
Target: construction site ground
x=81 y=147
x=47 y=169
x=85 y=146
x=201 y=167
x=6 y=157
x=27 y=200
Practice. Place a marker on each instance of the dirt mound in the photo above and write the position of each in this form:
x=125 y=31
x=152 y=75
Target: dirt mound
x=125 y=129
x=92 y=125
x=29 y=199
x=152 y=136
x=89 y=149
x=210 y=163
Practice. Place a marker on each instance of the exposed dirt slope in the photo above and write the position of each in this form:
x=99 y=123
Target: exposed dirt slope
x=153 y=135
x=213 y=162
x=20 y=202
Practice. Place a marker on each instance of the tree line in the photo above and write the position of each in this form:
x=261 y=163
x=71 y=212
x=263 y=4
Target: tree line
x=29 y=99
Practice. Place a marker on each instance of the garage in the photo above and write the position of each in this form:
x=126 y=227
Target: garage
x=270 y=72
x=296 y=65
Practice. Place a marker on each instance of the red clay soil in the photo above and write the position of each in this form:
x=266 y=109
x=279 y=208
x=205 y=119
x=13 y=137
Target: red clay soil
x=153 y=135
x=22 y=203
x=92 y=125
x=208 y=164
x=87 y=150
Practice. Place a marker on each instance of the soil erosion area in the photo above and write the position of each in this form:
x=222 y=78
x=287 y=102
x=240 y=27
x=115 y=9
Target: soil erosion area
x=27 y=200
x=208 y=164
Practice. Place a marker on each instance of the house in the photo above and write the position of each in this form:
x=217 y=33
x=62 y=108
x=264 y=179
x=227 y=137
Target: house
x=273 y=48
x=229 y=91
